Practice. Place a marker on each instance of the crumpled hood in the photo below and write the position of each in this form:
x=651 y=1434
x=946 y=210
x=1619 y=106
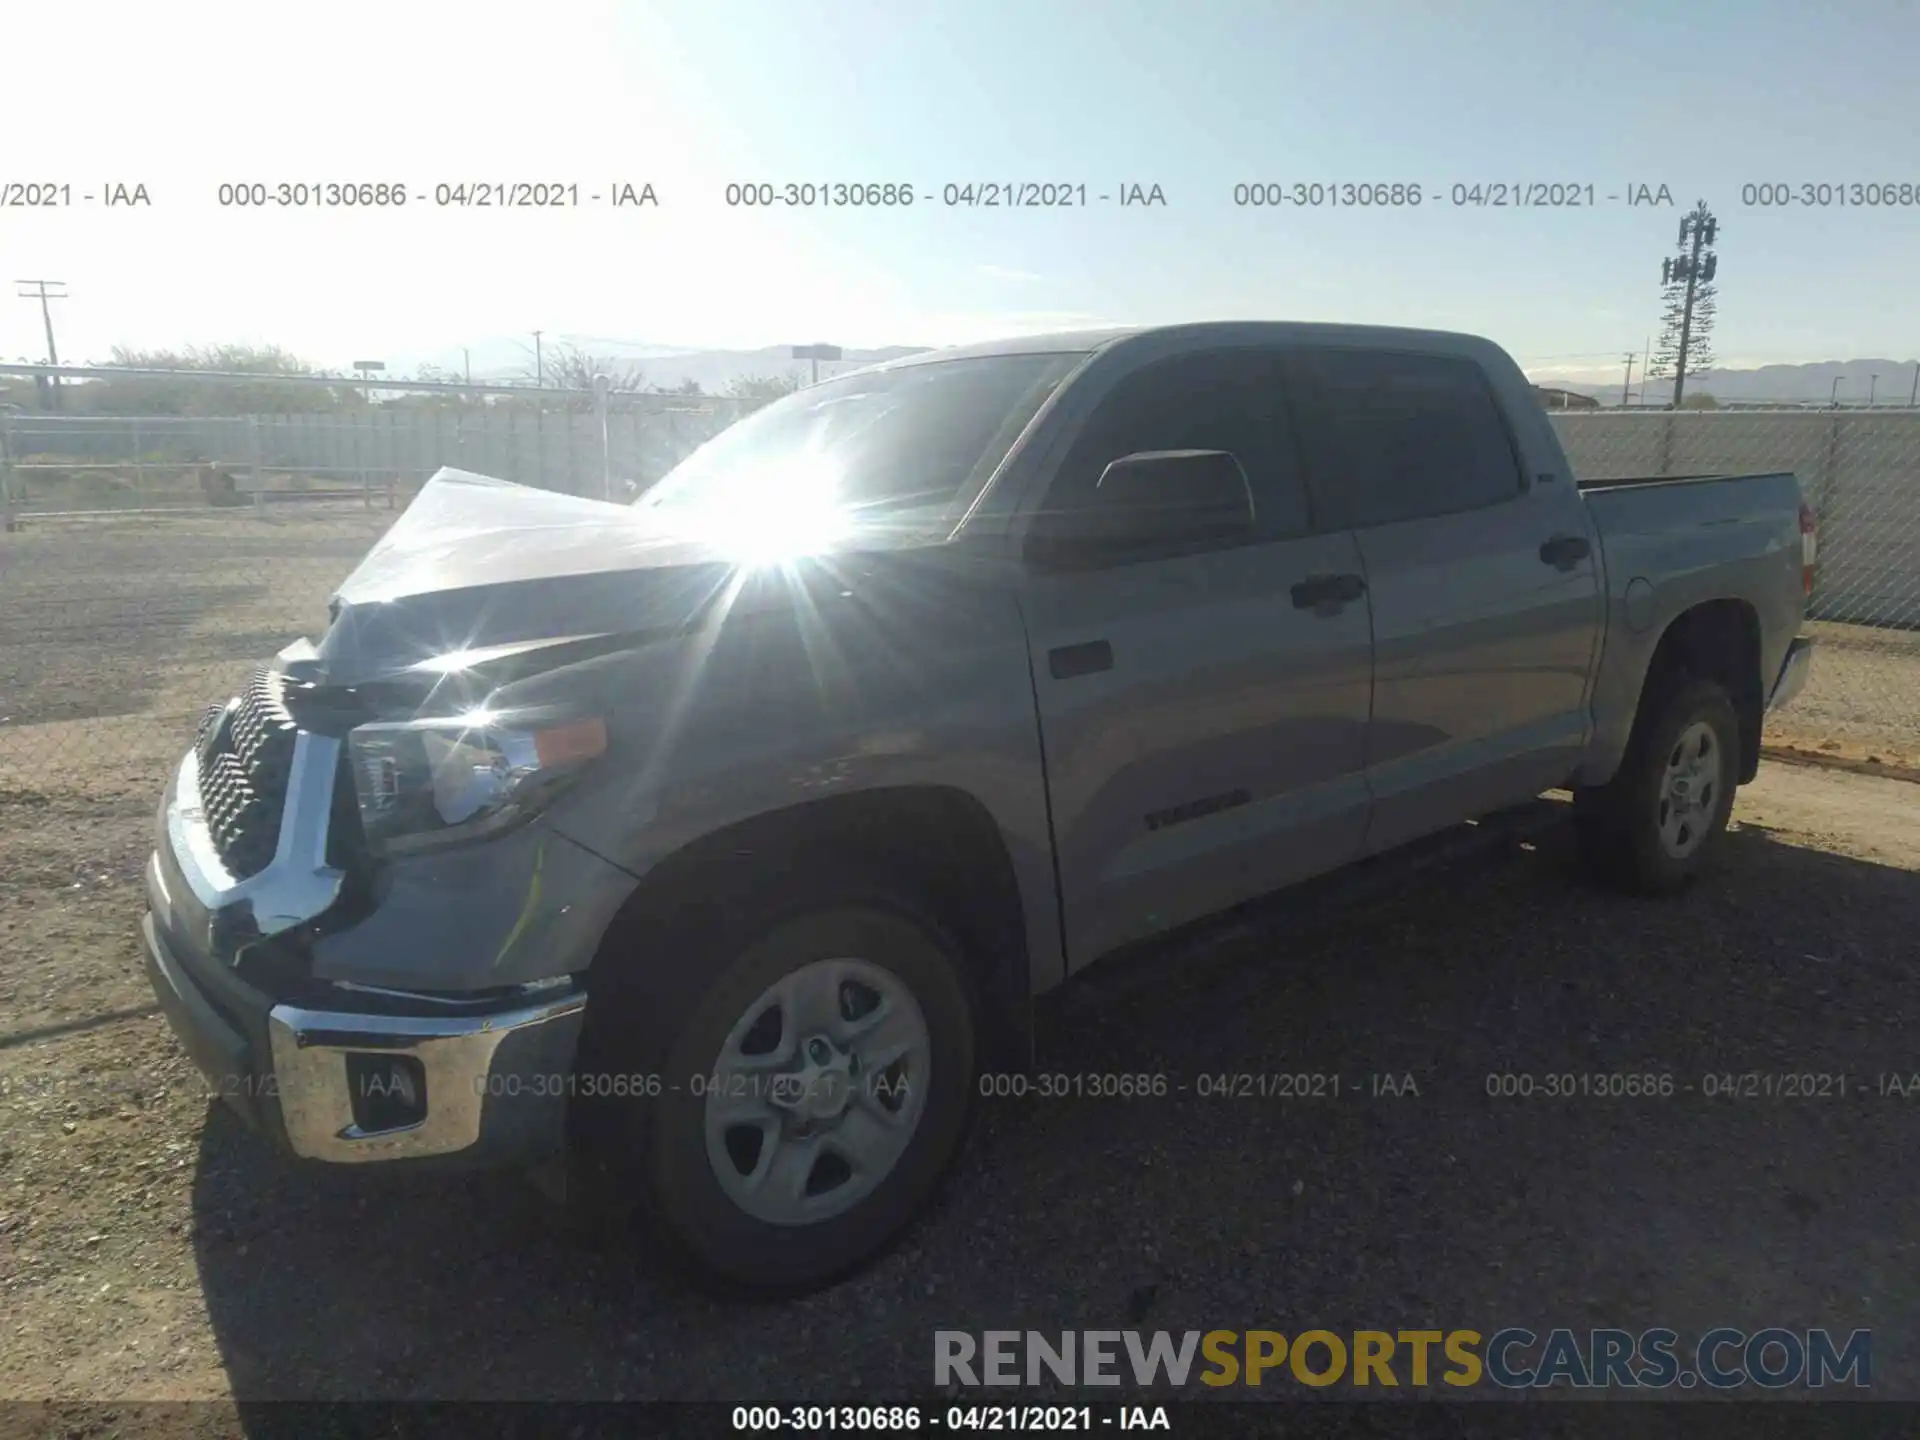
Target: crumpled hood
x=476 y=563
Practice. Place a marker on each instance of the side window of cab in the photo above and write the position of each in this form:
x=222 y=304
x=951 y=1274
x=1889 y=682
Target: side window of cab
x=1227 y=399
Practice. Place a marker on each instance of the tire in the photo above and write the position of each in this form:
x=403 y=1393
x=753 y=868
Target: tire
x=1635 y=832
x=674 y=1163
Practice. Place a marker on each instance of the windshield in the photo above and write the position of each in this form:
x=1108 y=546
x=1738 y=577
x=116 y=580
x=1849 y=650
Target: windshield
x=915 y=443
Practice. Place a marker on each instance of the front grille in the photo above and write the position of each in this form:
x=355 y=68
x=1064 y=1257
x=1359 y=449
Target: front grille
x=246 y=760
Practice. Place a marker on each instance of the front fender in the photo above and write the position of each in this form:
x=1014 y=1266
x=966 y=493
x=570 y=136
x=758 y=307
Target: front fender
x=900 y=677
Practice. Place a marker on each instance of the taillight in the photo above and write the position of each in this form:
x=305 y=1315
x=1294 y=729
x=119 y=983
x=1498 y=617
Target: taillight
x=1809 y=546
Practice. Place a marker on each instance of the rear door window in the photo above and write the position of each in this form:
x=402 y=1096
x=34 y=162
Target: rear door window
x=1392 y=436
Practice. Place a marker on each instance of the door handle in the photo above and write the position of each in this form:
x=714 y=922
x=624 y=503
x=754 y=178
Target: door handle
x=1566 y=551
x=1068 y=661
x=1328 y=590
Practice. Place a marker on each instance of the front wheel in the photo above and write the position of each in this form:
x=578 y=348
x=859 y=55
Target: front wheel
x=817 y=1088
x=1658 y=822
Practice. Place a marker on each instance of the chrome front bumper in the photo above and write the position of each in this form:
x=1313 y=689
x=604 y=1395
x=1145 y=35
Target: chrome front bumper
x=1793 y=672
x=502 y=1077
x=492 y=1086
x=492 y=1079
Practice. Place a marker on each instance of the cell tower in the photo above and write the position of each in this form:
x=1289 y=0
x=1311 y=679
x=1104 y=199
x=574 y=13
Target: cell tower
x=1686 y=329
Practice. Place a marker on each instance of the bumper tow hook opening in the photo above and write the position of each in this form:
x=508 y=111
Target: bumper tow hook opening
x=387 y=1092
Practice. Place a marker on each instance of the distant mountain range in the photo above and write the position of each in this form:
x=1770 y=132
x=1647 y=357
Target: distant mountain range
x=667 y=367
x=1889 y=382
x=660 y=366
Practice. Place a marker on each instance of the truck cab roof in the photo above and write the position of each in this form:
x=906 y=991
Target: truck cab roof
x=1226 y=332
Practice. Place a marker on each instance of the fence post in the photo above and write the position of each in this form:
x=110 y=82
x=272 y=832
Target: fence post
x=253 y=452
x=600 y=388
x=1829 y=510
x=571 y=458
x=8 y=513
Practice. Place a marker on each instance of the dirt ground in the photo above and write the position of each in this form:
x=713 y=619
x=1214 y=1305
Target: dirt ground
x=1862 y=701
x=132 y=624
x=150 y=1248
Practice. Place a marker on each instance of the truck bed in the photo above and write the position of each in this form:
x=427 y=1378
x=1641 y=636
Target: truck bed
x=1630 y=482
x=1679 y=541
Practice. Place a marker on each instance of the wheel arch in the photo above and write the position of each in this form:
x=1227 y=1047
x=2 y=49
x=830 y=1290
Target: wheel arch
x=1715 y=640
x=938 y=843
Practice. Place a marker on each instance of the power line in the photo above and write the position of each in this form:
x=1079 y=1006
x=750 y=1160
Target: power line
x=618 y=343
x=46 y=318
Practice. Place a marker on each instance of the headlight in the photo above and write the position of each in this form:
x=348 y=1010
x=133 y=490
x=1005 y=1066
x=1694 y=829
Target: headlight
x=427 y=782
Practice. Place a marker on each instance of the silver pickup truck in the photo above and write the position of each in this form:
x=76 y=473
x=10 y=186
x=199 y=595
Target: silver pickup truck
x=721 y=842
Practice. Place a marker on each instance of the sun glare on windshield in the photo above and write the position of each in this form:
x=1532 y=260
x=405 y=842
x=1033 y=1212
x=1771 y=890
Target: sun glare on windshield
x=772 y=512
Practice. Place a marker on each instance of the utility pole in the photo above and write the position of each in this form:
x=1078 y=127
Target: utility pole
x=1626 y=388
x=539 y=370
x=466 y=362
x=1913 y=396
x=46 y=318
x=1873 y=384
x=1833 y=395
x=1696 y=268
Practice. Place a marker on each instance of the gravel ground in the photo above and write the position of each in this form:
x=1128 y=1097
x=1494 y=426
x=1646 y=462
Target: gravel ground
x=151 y=1249
x=1862 y=701
x=144 y=619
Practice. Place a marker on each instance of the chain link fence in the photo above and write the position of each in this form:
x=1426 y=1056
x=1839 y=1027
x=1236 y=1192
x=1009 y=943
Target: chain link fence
x=1860 y=469
x=64 y=465
x=147 y=562
x=151 y=560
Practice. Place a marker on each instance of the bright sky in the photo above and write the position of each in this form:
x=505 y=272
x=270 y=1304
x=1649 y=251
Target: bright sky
x=1194 y=96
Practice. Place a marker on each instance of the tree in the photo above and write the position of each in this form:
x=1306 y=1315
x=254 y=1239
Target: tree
x=434 y=399
x=689 y=386
x=157 y=395
x=568 y=367
x=1700 y=400
x=762 y=387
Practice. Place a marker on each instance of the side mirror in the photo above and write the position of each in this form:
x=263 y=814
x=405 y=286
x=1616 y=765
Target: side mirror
x=1156 y=502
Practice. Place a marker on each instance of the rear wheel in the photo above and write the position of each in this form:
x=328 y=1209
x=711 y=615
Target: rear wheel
x=1658 y=822
x=816 y=1087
